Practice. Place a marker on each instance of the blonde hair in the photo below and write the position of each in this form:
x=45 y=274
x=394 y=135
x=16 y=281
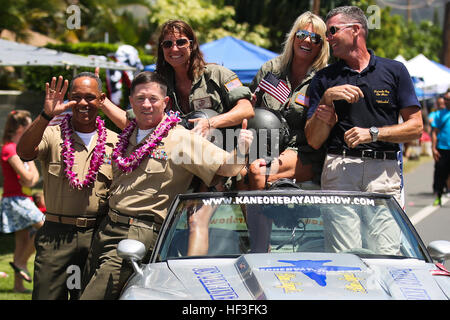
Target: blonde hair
x=16 y=118
x=319 y=27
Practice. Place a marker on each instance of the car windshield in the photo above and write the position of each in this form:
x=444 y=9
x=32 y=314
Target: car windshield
x=218 y=225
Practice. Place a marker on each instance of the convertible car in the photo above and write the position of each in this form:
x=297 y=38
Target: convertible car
x=287 y=244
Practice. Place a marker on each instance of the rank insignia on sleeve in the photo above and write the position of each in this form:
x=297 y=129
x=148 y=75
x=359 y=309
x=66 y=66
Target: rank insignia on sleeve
x=235 y=83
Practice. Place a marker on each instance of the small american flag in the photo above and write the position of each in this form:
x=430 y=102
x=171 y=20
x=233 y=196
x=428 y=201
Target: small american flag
x=275 y=87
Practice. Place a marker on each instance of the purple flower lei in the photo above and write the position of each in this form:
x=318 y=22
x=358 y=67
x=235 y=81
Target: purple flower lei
x=68 y=153
x=128 y=164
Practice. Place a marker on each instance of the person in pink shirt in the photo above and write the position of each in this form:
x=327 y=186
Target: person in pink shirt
x=19 y=214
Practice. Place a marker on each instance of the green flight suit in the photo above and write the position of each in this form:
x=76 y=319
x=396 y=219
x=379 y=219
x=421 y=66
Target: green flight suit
x=294 y=111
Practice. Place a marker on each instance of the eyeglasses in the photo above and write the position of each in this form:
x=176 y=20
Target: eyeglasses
x=87 y=98
x=333 y=29
x=180 y=43
x=303 y=34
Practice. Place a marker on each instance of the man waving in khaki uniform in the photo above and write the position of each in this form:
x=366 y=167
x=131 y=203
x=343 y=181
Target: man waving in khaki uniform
x=77 y=173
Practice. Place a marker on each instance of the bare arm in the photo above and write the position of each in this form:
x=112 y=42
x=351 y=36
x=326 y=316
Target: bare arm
x=410 y=129
x=242 y=110
x=236 y=160
x=117 y=115
x=318 y=127
x=198 y=230
x=436 y=154
x=27 y=172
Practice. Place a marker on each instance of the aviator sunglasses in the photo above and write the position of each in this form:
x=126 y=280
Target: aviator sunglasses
x=333 y=29
x=303 y=34
x=180 y=43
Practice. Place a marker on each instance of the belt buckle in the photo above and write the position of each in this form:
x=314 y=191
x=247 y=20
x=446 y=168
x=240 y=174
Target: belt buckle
x=382 y=152
x=81 y=222
x=364 y=156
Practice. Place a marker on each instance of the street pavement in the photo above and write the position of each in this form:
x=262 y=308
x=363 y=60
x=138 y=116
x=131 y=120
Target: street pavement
x=431 y=223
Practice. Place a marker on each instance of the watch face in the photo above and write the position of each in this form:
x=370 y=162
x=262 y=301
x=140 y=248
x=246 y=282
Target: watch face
x=374 y=133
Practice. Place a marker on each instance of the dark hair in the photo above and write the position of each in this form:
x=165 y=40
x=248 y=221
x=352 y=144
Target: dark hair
x=352 y=13
x=148 y=77
x=196 y=61
x=88 y=75
x=16 y=118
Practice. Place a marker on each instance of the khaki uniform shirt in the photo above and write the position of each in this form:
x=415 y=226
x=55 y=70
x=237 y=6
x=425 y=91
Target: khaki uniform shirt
x=218 y=88
x=150 y=188
x=294 y=111
x=60 y=197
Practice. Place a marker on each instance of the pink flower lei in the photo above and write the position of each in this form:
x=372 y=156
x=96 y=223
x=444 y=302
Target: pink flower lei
x=128 y=164
x=68 y=153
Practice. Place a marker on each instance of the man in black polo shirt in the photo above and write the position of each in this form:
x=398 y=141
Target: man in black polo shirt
x=355 y=105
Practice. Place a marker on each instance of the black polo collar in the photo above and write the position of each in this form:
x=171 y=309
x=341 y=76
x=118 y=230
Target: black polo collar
x=370 y=66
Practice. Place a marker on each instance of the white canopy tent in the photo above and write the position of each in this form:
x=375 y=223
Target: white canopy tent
x=401 y=59
x=18 y=54
x=429 y=78
x=435 y=79
x=418 y=82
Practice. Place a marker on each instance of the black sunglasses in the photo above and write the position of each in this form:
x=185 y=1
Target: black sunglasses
x=180 y=43
x=303 y=34
x=333 y=29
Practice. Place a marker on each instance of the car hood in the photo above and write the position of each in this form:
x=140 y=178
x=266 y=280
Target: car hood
x=290 y=276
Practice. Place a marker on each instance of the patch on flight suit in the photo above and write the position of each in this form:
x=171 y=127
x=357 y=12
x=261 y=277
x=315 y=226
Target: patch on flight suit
x=202 y=103
x=235 y=83
x=302 y=100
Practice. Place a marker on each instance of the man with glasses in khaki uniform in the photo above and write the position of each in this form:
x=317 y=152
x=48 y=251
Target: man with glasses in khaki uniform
x=77 y=173
x=154 y=160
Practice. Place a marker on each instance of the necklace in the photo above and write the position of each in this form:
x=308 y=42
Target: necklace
x=128 y=164
x=68 y=153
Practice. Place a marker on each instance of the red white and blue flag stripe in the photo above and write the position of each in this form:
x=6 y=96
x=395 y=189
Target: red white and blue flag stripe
x=275 y=87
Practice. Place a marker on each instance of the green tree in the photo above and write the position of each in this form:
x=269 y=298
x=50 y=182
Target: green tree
x=396 y=36
x=209 y=21
x=43 y=16
x=117 y=18
x=276 y=15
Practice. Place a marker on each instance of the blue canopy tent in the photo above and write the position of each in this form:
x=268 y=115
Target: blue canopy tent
x=242 y=57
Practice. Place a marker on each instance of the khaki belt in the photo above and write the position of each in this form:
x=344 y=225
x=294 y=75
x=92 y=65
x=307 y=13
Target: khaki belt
x=118 y=217
x=75 y=221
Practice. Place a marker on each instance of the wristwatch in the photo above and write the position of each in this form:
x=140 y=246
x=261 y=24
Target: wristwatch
x=374 y=133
